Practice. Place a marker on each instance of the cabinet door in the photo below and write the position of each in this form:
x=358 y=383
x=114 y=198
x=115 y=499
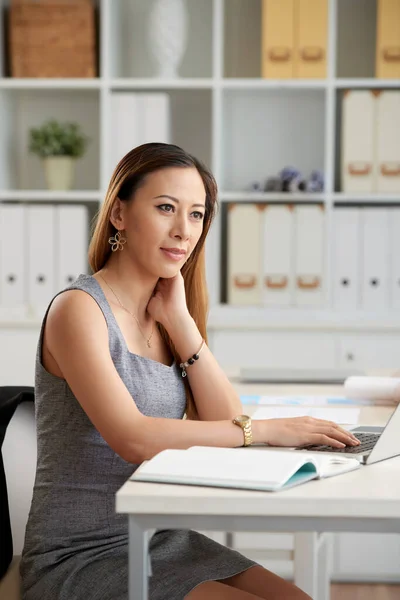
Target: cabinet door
x=388 y=39
x=244 y=254
x=277 y=39
x=274 y=551
x=236 y=349
x=18 y=360
x=358 y=141
x=369 y=352
x=366 y=557
x=388 y=141
x=311 y=24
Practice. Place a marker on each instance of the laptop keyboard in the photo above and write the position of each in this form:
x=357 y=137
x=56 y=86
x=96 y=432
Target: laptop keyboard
x=368 y=441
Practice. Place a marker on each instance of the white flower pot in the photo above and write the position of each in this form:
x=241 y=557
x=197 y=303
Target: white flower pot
x=59 y=172
x=168 y=33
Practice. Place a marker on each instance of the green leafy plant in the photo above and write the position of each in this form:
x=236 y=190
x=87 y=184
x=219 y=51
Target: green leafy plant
x=57 y=139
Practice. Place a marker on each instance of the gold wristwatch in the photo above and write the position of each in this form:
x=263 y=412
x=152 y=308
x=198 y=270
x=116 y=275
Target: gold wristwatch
x=244 y=421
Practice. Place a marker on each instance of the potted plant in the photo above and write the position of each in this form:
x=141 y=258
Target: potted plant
x=58 y=145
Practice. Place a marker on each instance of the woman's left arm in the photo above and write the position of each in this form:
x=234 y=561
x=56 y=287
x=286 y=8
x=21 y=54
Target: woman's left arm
x=213 y=393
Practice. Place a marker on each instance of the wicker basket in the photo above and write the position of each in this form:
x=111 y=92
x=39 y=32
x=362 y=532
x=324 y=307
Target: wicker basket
x=52 y=38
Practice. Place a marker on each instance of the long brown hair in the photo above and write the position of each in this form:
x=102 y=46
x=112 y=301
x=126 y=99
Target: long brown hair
x=128 y=176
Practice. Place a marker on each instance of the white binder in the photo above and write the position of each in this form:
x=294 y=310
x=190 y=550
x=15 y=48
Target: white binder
x=244 y=254
x=394 y=252
x=12 y=262
x=358 y=141
x=41 y=258
x=138 y=118
x=277 y=261
x=388 y=141
x=375 y=259
x=72 y=238
x=346 y=258
x=309 y=255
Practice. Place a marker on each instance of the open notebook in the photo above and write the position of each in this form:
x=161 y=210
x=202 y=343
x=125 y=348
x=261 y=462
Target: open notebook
x=245 y=468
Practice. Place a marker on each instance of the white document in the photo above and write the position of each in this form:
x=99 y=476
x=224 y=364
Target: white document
x=375 y=259
x=348 y=416
x=394 y=258
x=346 y=258
x=41 y=258
x=138 y=118
x=309 y=255
x=358 y=141
x=388 y=141
x=245 y=223
x=12 y=262
x=72 y=238
x=277 y=256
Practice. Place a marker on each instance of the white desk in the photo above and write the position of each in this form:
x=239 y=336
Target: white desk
x=366 y=500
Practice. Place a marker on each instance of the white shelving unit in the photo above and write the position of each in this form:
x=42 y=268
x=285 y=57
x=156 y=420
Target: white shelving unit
x=245 y=128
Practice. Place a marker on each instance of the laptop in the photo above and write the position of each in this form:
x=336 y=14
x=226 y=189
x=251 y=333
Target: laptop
x=265 y=375
x=377 y=443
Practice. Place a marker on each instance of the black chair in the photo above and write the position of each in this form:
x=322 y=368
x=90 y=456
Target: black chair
x=10 y=398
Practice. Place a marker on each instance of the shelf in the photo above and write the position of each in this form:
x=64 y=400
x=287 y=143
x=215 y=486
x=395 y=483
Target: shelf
x=344 y=83
x=367 y=198
x=40 y=84
x=50 y=196
x=261 y=318
x=260 y=83
x=257 y=141
x=132 y=83
x=20 y=324
x=249 y=196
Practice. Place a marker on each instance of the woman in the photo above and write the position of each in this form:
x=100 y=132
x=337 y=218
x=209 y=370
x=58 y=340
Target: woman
x=110 y=394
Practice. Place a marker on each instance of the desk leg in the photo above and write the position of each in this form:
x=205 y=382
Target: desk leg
x=138 y=562
x=306 y=562
x=325 y=567
x=312 y=564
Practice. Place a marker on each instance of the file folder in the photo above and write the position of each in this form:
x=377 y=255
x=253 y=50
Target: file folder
x=358 y=141
x=394 y=253
x=277 y=34
x=244 y=254
x=346 y=258
x=388 y=39
x=375 y=257
x=138 y=118
x=41 y=258
x=13 y=257
x=72 y=239
x=309 y=255
x=388 y=141
x=277 y=255
x=311 y=26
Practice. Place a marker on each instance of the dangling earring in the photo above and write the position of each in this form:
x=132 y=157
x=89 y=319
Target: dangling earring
x=117 y=242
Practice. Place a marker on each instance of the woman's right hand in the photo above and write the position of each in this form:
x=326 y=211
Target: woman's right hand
x=301 y=431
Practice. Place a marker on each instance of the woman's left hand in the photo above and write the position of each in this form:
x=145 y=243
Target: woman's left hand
x=168 y=303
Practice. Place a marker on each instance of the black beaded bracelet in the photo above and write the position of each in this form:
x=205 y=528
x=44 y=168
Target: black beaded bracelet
x=190 y=361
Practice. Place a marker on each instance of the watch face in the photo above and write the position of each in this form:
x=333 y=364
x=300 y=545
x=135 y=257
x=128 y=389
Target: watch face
x=242 y=418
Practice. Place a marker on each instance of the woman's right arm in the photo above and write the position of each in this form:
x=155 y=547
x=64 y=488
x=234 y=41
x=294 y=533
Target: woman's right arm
x=76 y=336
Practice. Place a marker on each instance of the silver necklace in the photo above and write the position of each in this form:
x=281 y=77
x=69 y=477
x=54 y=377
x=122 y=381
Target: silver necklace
x=147 y=339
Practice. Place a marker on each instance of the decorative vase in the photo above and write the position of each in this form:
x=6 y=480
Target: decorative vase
x=59 y=172
x=168 y=33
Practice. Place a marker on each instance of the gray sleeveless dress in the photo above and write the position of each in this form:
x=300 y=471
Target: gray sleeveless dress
x=76 y=546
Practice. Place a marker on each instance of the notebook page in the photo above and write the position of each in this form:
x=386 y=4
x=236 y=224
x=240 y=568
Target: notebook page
x=331 y=465
x=256 y=468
